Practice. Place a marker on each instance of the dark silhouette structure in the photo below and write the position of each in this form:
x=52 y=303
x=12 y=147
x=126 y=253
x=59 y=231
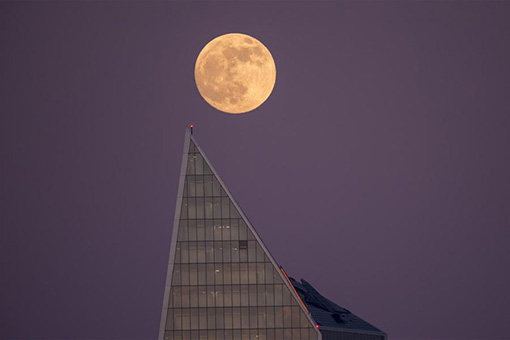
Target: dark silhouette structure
x=223 y=283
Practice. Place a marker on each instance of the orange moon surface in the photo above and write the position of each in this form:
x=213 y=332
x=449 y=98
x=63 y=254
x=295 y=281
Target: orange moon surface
x=235 y=73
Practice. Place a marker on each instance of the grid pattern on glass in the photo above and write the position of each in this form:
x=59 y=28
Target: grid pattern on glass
x=223 y=284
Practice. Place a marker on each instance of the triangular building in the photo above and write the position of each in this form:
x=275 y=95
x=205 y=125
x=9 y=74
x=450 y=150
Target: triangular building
x=222 y=282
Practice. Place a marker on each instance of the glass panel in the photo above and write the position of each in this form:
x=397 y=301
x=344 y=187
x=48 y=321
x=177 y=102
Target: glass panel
x=199 y=168
x=243 y=251
x=219 y=296
x=202 y=296
x=202 y=277
x=243 y=269
x=210 y=274
x=209 y=252
x=278 y=317
x=176 y=296
x=217 y=230
x=227 y=274
x=261 y=317
x=200 y=207
x=194 y=318
x=185 y=275
x=208 y=207
x=191 y=185
x=185 y=319
x=243 y=231
x=260 y=273
x=199 y=186
x=211 y=319
x=227 y=296
x=304 y=320
x=253 y=317
x=192 y=211
x=211 y=296
x=183 y=230
x=286 y=296
x=252 y=273
x=236 y=317
x=234 y=249
x=219 y=320
x=218 y=252
x=192 y=230
x=226 y=229
x=200 y=230
x=236 y=296
x=193 y=274
x=261 y=295
x=208 y=186
x=178 y=319
x=228 y=318
x=218 y=274
x=253 y=295
x=296 y=313
x=287 y=317
x=225 y=203
x=193 y=297
x=217 y=207
x=209 y=230
x=252 y=251
x=270 y=295
x=185 y=296
x=235 y=273
x=192 y=252
x=201 y=252
x=226 y=251
x=176 y=275
x=270 y=317
x=244 y=295
x=234 y=229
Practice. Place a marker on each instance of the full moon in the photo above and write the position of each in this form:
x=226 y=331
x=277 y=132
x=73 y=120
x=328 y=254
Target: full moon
x=235 y=73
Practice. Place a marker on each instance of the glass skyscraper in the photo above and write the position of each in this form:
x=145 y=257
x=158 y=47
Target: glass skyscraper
x=222 y=282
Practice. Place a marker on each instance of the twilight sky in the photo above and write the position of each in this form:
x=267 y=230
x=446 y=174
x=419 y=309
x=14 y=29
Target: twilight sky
x=378 y=170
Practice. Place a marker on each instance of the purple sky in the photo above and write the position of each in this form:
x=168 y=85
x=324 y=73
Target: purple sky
x=378 y=170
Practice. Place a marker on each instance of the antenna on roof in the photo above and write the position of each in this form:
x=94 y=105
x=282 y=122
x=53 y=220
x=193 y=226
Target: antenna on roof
x=191 y=128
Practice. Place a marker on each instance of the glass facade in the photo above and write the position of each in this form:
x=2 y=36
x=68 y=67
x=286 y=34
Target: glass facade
x=223 y=284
